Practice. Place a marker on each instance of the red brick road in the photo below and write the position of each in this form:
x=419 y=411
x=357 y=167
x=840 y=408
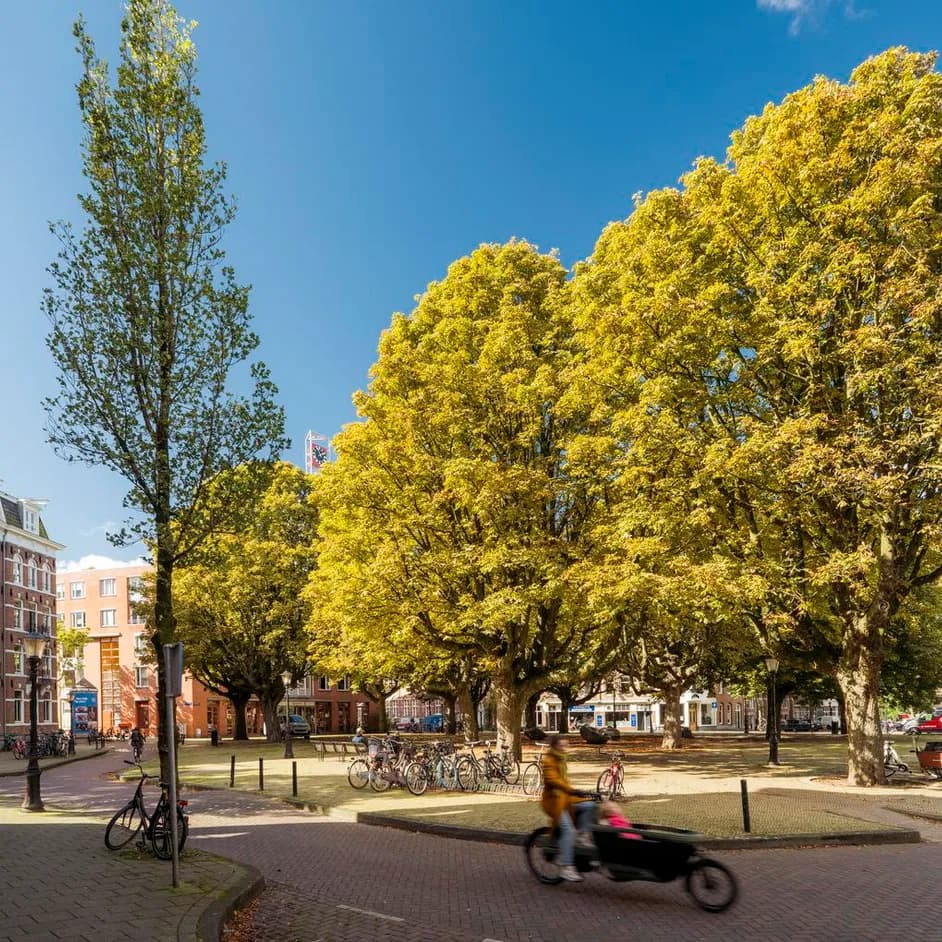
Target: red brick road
x=334 y=881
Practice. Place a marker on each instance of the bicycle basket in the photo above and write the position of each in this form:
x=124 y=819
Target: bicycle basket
x=374 y=747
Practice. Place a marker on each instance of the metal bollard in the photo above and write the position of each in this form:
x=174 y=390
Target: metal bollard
x=294 y=779
x=261 y=774
x=746 y=823
x=232 y=771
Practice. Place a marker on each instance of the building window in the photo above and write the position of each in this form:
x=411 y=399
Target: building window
x=30 y=575
x=77 y=590
x=47 y=579
x=323 y=682
x=18 y=657
x=47 y=663
x=107 y=587
x=17 y=570
x=135 y=588
x=30 y=520
x=45 y=708
x=135 y=619
x=17 y=706
x=109 y=617
x=60 y=591
x=78 y=619
x=344 y=682
x=18 y=615
x=141 y=677
x=140 y=646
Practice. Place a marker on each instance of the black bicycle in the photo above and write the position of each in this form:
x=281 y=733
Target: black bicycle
x=133 y=821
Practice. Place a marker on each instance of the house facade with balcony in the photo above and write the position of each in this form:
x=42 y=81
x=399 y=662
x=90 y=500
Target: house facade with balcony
x=27 y=603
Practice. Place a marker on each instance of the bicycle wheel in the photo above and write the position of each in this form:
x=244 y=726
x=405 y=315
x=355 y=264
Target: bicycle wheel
x=511 y=770
x=416 y=778
x=162 y=837
x=532 y=779
x=123 y=827
x=379 y=780
x=542 y=856
x=467 y=773
x=605 y=785
x=712 y=885
x=358 y=775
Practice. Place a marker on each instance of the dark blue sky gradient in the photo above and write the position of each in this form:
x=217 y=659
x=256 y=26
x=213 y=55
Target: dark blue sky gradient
x=369 y=144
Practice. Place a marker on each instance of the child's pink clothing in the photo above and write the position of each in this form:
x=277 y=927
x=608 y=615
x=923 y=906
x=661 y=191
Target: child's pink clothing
x=617 y=821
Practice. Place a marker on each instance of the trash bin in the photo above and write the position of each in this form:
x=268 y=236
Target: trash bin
x=214 y=737
x=834 y=727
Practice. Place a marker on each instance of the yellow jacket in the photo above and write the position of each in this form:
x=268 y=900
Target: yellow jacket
x=558 y=793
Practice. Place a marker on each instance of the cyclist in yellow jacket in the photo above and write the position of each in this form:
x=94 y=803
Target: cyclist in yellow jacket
x=566 y=805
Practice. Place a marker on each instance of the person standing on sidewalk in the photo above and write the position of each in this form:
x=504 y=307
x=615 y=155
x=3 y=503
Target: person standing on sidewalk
x=566 y=806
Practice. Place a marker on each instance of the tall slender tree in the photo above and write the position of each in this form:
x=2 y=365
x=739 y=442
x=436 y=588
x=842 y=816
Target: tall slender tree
x=147 y=321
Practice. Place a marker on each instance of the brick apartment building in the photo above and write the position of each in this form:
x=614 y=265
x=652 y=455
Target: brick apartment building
x=27 y=603
x=117 y=671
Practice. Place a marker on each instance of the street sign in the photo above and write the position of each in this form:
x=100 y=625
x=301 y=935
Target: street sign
x=173 y=669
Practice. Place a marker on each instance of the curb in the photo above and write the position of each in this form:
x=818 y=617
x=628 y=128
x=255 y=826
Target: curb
x=214 y=918
x=897 y=836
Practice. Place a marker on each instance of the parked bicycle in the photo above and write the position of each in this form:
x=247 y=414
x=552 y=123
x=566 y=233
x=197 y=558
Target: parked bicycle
x=611 y=783
x=892 y=763
x=491 y=766
x=532 y=777
x=133 y=821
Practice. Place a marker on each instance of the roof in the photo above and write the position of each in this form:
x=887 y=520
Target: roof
x=11 y=516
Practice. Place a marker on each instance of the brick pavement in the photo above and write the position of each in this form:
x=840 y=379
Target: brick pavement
x=59 y=882
x=334 y=881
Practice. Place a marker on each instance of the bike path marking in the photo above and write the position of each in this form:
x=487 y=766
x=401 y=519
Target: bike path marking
x=370 y=912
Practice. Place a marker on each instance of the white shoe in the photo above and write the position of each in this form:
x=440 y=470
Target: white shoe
x=571 y=875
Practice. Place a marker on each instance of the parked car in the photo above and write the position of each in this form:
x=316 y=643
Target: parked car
x=406 y=724
x=930 y=726
x=298 y=726
x=797 y=726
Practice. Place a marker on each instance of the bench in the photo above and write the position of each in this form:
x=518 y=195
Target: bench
x=339 y=749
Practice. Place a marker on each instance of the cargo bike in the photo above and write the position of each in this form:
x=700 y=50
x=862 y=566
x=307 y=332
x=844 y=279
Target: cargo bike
x=642 y=852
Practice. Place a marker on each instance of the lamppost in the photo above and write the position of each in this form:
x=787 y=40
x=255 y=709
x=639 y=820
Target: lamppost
x=35 y=644
x=771 y=664
x=289 y=749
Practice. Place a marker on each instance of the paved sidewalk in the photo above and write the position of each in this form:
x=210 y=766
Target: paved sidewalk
x=58 y=881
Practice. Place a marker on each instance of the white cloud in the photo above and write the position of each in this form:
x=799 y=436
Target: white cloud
x=98 y=562
x=802 y=11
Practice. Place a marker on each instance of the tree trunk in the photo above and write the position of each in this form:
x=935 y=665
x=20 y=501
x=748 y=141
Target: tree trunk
x=564 y=704
x=272 y=716
x=469 y=714
x=672 y=720
x=858 y=674
x=239 y=702
x=511 y=700
x=164 y=633
x=451 y=715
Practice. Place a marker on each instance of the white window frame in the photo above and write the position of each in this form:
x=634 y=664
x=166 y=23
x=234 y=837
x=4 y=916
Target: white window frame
x=344 y=682
x=108 y=617
x=18 y=706
x=77 y=620
x=107 y=588
x=76 y=590
x=60 y=591
x=323 y=682
x=18 y=615
x=31 y=575
x=140 y=645
x=141 y=676
x=17 y=569
x=19 y=657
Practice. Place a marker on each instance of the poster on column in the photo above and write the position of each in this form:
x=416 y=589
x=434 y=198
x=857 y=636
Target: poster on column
x=84 y=711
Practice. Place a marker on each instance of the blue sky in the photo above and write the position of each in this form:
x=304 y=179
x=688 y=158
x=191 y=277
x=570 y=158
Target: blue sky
x=369 y=144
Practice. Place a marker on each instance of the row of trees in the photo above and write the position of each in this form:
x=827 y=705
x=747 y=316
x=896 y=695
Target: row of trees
x=718 y=438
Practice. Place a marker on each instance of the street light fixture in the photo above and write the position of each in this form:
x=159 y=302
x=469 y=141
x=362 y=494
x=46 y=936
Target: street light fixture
x=289 y=748
x=771 y=664
x=35 y=644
